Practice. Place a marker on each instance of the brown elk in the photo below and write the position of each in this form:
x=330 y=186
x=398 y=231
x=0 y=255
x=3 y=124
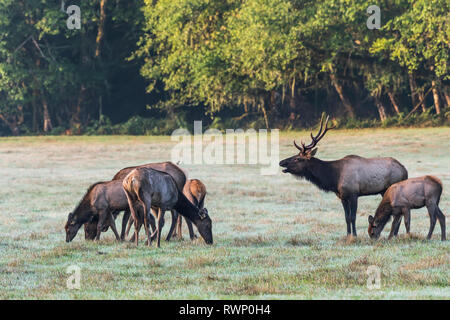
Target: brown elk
x=148 y=187
x=403 y=196
x=195 y=191
x=177 y=173
x=101 y=200
x=349 y=177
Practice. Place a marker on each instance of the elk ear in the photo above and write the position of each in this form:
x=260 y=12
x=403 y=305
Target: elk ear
x=313 y=152
x=370 y=219
x=203 y=213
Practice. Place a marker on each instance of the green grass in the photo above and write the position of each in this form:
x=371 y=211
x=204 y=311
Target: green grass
x=274 y=236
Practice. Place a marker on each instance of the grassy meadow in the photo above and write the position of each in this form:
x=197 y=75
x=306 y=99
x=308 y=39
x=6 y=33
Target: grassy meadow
x=275 y=237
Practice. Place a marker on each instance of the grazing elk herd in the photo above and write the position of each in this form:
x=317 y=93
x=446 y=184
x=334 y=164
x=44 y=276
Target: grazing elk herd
x=144 y=193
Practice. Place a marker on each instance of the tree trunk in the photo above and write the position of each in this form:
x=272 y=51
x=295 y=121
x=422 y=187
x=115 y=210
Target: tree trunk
x=264 y=111
x=76 y=120
x=292 y=102
x=101 y=28
x=47 y=121
x=447 y=96
x=100 y=108
x=12 y=125
x=415 y=93
x=422 y=98
x=348 y=107
x=436 y=97
x=412 y=87
x=381 y=109
x=13 y=122
x=394 y=103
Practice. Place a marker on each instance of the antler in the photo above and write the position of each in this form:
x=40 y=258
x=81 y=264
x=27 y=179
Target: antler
x=315 y=139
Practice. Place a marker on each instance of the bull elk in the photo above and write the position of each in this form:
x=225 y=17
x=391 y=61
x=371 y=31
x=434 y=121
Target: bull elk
x=349 y=178
x=403 y=196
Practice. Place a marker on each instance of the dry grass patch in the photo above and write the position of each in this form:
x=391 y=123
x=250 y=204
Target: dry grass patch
x=362 y=263
x=427 y=263
x=296 y=241
x=200 y=261
x=241 y=228
x=254 y=289
x=252 y=241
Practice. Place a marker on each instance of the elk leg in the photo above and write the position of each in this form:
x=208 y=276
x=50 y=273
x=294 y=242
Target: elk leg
x=112 y=224
x=441 y=218
x=159 y=226
x=353 y=209
x=147 y=212
x=131 y=205
x=395 y=225
x=151 y=223
x=153 y=226
x=102 y=216
x=432 y=213
x=125 y=218
x=191 y=230
x=135 y=237
x=172 y=226
x=130 y=223
x=346 y=205
x=407 y=215
x=179 y=227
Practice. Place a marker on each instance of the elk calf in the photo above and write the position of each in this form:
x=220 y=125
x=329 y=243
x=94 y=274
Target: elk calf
x=403 y=196
x=100 y=202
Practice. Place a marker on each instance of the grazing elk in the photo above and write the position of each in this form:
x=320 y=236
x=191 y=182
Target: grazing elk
x=195 y=191
x=349 y=177
x=148 y=187
x=101 y=200
x=177 y=173
x=403 y=196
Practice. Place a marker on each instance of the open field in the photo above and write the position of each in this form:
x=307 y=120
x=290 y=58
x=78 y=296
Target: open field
x=274 y=236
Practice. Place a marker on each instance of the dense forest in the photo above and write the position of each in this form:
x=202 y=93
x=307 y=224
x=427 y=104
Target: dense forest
x=151 y=66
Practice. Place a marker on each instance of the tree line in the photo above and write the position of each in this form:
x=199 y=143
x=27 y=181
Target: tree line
x=259 y=63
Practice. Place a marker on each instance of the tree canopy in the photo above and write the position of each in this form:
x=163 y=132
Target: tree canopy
x=260 y=63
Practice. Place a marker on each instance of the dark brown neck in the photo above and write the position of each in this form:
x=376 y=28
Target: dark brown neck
x=323 y=174
x=187 y=209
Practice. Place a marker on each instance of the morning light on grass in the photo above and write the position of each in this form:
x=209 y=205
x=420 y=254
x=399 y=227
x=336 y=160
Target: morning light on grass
x=275 y=237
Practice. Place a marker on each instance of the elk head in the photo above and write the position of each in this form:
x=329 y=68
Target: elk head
x=374 y=229
x=71 y=227
x=204 y=226
x=73 y=224
x=297 y=164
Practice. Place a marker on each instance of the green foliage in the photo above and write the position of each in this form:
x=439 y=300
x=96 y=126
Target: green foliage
x=280 y=63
